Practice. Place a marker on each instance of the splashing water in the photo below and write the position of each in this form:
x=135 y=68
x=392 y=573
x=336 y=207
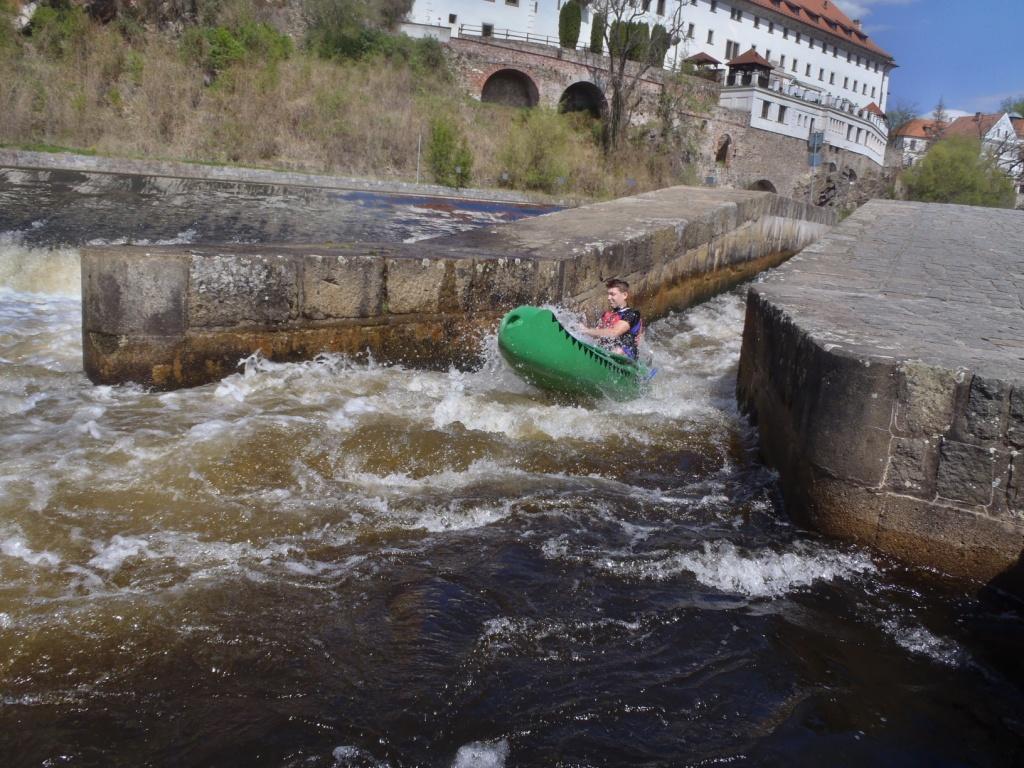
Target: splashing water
x=331 y=563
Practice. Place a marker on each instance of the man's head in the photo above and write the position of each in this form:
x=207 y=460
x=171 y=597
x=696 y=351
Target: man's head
x=618 y=293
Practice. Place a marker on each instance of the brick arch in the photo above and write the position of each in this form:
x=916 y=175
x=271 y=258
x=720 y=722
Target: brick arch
x=762 y=185
x=583 y=96
x=512 y=87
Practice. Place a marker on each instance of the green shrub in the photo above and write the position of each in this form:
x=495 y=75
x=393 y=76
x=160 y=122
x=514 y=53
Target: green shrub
x=632 y=38
x=537 y=149
x=448 y=155
x=217 y=48
x=956 y=170
x=57 y=31
x=597 y=27
x=569 y=20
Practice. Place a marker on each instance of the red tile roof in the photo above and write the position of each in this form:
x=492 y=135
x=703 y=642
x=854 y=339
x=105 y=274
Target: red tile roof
x=824 y=16
x=1018 y=126
x=874 y=109
x=702 y=58
x=749 y=58
x=974 y=126
x=919 y=128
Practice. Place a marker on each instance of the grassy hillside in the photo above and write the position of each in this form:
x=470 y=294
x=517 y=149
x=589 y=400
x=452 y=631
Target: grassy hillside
x=225 y=86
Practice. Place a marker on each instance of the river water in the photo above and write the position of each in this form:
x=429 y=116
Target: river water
x=339 y=564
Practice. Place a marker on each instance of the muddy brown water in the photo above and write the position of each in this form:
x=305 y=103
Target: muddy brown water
x=332 y=564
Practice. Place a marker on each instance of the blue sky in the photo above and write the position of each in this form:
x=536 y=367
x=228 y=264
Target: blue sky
x=969 y=52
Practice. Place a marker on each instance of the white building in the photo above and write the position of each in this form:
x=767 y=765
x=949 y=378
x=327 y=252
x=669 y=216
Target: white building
x=815 y=50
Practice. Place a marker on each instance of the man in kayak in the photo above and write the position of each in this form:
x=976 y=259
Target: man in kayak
x=620 y=328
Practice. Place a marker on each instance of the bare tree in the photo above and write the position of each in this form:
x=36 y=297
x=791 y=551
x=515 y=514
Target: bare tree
x=630 y=52
x=940 y=116
x=899 y=115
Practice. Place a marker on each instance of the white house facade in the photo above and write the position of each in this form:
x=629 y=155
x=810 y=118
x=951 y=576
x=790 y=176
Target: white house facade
x=827 y=74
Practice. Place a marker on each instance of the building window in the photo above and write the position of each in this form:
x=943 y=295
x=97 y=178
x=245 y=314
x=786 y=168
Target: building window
x=849 y=132
x=864 y=89
x=732 y=50
x=854 y=86
x=768 y=54
x=849 y=56
x=714 y=6
x=736 y=14
x=798 y=38
x=846 y=82
x=486 y=30
x=771 y=27
x=835 y=51
x=807 y=71
x=782 y=113
x=765 y=107
x=810 y=42
x=872 y=91
x=645 y=6
x=452 y=18
x=793 y=68
x=689 y=32
x=757 y=22
x=512 y=2
x=782 y=61
x=821 y=74
x=785 y=33
x=711 y=36
x=832 y=78
x=661 y=7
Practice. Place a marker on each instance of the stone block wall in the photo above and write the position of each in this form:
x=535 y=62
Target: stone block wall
x=173 y=316
x=882 y=368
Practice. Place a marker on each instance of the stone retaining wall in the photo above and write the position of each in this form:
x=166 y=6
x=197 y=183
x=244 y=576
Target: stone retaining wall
x=175 y=316
x=884 y=368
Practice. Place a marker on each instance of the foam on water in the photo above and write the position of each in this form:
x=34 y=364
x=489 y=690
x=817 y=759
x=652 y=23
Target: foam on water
x=725 y=567
x=482 y=754
x=26 y=269
x=15 y=545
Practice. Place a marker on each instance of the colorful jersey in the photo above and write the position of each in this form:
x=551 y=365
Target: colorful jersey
x=628 y=340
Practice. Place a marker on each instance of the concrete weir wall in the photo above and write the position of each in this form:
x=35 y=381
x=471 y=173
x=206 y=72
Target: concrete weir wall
x=173 y=316
x=884 y=366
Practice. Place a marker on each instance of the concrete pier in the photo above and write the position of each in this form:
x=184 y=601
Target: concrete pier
x=173 y=316
x=884 y=366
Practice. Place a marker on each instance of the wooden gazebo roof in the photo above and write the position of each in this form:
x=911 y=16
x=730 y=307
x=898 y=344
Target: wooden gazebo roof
x=750 y=60
x=702 y=58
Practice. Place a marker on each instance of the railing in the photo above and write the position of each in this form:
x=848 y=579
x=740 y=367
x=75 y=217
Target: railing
x=509 y=34
x=527 y=37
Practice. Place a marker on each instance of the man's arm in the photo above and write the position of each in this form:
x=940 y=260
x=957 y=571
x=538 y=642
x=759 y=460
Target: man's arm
x=611 y=332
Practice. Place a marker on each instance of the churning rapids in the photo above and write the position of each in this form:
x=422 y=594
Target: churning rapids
x=332 y=564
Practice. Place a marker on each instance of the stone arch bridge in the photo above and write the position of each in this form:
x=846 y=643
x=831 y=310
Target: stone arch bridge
x=528 y=75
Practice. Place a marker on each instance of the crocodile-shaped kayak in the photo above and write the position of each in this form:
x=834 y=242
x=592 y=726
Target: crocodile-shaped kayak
x=545 y=354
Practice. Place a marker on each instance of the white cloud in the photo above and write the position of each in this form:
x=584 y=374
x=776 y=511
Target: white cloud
x=858 y=9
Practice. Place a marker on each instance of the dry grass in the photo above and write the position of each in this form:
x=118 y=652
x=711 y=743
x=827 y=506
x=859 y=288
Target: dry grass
x=141 y=99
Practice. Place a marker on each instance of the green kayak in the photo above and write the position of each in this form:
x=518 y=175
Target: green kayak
x=545 y=354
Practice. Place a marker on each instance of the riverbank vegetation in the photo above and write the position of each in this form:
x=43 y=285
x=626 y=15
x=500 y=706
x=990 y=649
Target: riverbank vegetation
x=957 y=170
x=322 y=86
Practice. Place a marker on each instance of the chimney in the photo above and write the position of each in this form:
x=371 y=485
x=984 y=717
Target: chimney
x=858 y=25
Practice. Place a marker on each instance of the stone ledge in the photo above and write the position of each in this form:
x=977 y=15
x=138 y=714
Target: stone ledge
x=879 y=397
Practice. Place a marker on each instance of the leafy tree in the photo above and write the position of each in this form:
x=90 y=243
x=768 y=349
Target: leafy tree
x=1013 y=104
x=569 y=20
x=598 y=25
x=956 y=170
